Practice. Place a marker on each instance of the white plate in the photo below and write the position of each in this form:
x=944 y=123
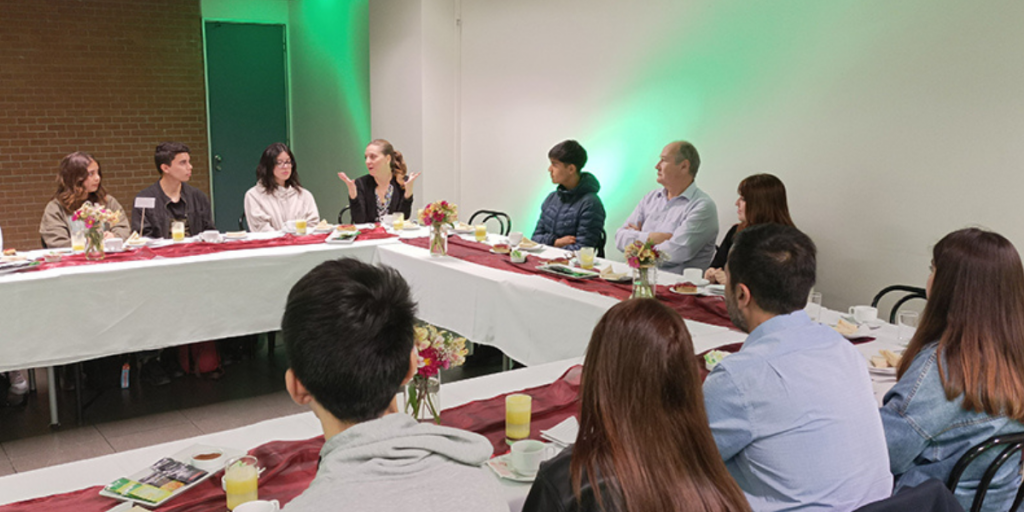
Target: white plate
x=535 y=248
x=567 y=271
x=700 y=282
x=715 y=289
x=502 y=466
x=673 y=290
x=409 y=226
x=182 y=456
x=886 y=372
x=501 y=253
x=14 y=266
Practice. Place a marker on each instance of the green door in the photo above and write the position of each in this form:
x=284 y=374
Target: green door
x=245 y=70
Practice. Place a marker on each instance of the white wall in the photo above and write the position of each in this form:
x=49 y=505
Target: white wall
x=892 y=123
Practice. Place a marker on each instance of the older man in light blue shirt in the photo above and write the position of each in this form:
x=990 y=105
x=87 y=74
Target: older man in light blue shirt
x=679 y=219
x=793 y=412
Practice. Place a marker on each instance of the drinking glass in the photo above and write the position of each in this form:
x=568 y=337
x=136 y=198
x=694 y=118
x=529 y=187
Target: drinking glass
x=178 y=231
x=515 y=238
x=587 y=257
x=814 y=306
x=481 y=232
x=78 y=236
x=517 y=416
x=241 y=481
x=906 y=322
x=300 y=227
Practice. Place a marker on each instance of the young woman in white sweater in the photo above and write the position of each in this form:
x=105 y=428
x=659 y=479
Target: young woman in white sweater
x=278 y=197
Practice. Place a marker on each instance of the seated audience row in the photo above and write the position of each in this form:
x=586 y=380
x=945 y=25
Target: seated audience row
x=789 y=422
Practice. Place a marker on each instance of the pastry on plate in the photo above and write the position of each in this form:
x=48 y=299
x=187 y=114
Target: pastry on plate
x=686 y=287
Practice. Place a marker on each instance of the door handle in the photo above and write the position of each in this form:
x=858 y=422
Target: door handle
x=217 y=160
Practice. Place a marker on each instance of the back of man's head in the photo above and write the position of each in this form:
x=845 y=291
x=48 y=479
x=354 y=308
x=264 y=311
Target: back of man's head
x=348 y=331
x=165 y=153
x=777 y=264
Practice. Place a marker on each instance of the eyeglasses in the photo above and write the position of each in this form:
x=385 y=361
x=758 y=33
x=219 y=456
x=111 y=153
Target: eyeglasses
x=286 y=163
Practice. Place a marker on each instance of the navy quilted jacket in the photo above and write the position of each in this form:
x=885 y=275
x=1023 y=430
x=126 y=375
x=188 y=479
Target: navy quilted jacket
x=576 y=212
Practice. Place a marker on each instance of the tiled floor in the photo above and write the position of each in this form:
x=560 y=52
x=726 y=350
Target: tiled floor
x=120 y=420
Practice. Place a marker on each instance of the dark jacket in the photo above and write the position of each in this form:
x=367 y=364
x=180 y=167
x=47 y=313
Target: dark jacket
x=722 y=254
x=552 y=490
x=158 y=219
x=364 y=206
x=577 y=212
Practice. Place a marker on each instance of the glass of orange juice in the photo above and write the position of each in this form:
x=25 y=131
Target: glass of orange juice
x=517 y=416
x=300 y=227
x=481 y=232
x=178 y=231
x=241 y=480
x=78 y=236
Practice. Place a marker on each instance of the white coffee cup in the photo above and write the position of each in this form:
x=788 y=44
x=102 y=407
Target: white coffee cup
x=113 y=244
x=289 y=226
x=528 y=454
x=210 y=235
x=693 y=275
x=259 y=506
x=864 y=314
x=515 y=238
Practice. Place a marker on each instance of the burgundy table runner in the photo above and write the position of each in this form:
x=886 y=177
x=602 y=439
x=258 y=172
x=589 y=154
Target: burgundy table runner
x=710 y=310
x=199 y=248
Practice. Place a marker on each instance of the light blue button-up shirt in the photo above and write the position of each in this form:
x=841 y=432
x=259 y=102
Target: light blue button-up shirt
x=691 y=217
x=795 y=419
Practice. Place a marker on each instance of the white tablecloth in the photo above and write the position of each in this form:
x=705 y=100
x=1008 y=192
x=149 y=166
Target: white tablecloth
x=72 y=314
x=532 y=319
x=105 y=469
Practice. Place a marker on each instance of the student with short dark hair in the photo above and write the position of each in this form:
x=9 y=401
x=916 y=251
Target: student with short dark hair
x=572 y=216
x=793 y=412
x=349 y=331
x=176 y=200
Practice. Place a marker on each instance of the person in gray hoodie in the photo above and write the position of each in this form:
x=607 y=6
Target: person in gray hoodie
x=349 y=332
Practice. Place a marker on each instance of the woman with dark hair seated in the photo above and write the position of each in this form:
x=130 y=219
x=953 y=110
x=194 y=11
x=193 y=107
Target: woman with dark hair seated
x=79 y=181
x=644 y=444
x=961 y=379
x=386 y=189
x=762 y=201
x=278 y=197
x=572 y=216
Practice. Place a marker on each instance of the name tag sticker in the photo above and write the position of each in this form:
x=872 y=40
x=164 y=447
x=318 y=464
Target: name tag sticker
x=145 y=202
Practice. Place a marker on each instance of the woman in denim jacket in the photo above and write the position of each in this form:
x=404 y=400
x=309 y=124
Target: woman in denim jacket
x=961 y=380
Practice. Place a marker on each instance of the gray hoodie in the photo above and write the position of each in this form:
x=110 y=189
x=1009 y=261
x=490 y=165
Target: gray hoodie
x=394 y=463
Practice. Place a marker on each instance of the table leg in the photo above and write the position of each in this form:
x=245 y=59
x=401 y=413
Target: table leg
x=51 y=378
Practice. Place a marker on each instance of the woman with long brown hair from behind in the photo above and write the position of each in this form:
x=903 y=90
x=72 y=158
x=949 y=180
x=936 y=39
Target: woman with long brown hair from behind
x=79 y=181
x=762 y=200
x=644 y=444
x=961 y=379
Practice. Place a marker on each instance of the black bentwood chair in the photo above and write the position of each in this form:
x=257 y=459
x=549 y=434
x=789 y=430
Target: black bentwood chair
x=504 y=222
x=1011 y=444
x=341 y=214
x=912 y=292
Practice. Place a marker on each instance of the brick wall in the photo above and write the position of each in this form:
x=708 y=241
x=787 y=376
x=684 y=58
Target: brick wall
x=110 y=77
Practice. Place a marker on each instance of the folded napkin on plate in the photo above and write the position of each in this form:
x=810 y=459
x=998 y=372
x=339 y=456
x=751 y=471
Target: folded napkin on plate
x=564 y=433
x=609 y=274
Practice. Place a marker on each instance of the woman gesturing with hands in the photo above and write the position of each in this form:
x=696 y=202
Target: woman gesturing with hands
x=387 y=188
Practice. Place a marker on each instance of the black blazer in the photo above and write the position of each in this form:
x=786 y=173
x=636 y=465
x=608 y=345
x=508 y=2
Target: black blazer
x=364 y=206
x=552 y=490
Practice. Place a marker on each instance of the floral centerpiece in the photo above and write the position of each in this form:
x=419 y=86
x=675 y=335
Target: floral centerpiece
x=437 y=215
x=438 y=350
x=643 y=257
x=96 y=218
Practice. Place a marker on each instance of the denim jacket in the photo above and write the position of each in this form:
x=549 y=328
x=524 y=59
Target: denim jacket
x=928 y=434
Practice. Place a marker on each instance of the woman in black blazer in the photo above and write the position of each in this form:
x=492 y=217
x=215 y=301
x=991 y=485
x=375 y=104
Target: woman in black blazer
x=385 y=189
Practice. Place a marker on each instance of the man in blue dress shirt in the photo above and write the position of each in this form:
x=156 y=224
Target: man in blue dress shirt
x=679 y=219
x=793 y=412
